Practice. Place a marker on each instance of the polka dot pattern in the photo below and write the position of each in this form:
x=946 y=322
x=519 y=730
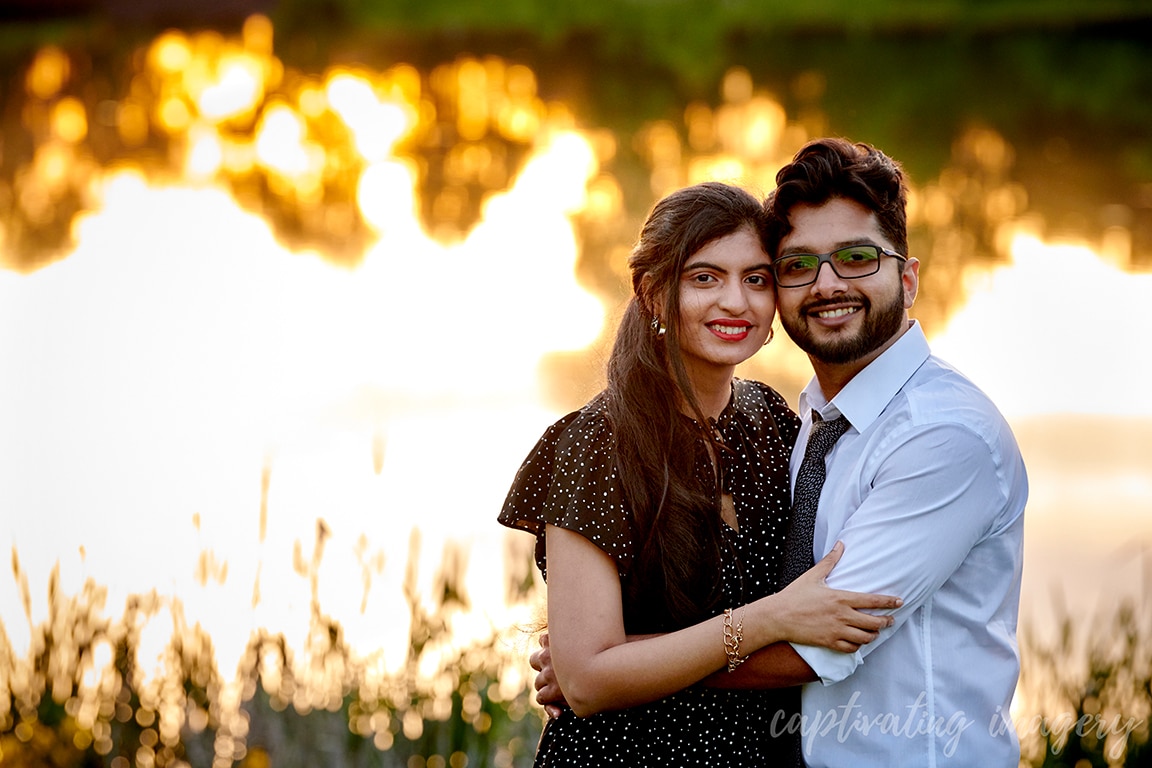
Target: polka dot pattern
x=569 y=480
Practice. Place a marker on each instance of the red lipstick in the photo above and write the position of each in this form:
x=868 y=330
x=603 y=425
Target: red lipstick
x=730 y=330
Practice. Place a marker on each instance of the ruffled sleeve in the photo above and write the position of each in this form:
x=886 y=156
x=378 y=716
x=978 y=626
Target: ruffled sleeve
x=569 y=480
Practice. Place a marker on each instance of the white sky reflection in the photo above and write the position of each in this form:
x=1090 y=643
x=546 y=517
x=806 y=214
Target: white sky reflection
x=181 y=350
x=1059 y=330
x=1057 y=338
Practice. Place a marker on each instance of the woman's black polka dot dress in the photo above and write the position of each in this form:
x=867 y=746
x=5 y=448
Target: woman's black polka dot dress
x=569 y=480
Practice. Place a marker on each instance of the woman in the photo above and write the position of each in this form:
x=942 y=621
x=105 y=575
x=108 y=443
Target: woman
x=660 y=510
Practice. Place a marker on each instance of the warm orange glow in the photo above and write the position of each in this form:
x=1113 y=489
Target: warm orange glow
x=69 y=120
x=701 y=125
x=257 y=33
x=312 y=101
x=605 y=198
x=403 y=83
x=752 y=128
x=132 y=123
x=726 y=167
x=472 y=102
x=170 y=53
x=173 y=115
x=235 y=90
x=934 y=205
x=744 y=140
x=49 y=72
x=737 y=85
x=987 y=148
x=521 y=114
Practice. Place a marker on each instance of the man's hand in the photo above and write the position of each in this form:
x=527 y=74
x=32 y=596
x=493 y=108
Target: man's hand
x=547 y=689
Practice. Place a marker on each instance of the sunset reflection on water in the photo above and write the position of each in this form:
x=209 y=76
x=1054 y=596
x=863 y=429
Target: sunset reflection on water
x=254 y=429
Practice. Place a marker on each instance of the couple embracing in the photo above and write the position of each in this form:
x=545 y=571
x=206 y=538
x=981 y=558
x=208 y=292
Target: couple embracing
x=730 y=583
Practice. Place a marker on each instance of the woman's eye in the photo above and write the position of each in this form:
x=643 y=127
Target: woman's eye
x=703 y=278
x=758 y=279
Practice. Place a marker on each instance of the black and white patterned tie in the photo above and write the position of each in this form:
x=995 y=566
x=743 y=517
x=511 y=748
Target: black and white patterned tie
x=806 y=495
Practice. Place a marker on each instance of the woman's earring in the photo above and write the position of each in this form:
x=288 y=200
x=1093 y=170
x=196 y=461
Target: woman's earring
x=771 y=333
x=658 y=327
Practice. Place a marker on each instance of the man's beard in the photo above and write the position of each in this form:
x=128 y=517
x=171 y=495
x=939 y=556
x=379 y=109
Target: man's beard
x=878 y=328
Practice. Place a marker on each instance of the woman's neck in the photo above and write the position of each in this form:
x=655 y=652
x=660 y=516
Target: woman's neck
x=713 y=390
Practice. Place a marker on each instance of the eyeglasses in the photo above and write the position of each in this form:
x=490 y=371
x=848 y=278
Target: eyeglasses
x=849 y=263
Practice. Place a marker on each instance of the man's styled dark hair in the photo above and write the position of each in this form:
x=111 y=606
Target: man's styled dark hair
x=827 y=168
x=678 y=549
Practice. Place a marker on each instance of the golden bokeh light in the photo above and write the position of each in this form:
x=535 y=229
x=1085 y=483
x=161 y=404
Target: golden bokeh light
x=131 y=123
x=70 y=120
x=235 y=89
x=173 y=115
x=170 y=53
x=49 y=72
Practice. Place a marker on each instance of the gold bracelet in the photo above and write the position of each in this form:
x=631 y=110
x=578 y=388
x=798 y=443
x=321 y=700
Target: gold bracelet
x=732 y=638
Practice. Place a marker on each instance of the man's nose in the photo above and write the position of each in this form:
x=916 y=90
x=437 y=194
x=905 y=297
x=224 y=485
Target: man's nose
x=827 y=281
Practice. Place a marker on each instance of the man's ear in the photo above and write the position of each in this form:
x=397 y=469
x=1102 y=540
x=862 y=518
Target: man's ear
x=910 y=281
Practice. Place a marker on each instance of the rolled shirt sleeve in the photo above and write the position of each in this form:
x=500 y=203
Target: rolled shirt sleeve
x=921 y=503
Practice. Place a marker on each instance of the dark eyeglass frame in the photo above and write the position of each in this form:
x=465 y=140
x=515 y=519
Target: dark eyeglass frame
x=826 y=258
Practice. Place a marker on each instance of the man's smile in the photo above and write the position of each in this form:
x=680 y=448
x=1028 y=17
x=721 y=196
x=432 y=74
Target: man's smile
x=838 y=312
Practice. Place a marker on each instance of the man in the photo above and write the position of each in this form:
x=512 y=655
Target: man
x=925 y=487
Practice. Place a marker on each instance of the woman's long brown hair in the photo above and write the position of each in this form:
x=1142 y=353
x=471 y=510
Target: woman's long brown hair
x=679 y=545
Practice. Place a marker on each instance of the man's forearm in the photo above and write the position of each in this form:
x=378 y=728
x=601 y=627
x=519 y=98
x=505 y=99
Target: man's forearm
x=774 y=666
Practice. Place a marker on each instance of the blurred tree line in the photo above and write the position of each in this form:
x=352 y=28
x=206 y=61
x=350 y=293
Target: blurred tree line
x=1065 y=82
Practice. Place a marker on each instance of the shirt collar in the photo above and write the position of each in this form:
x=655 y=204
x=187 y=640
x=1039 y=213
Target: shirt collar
x=870 y=391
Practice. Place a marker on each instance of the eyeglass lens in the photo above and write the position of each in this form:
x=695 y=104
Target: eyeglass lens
x=852 y=262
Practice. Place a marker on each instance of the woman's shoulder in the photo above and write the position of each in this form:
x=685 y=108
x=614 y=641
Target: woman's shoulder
x=752 y=394
x=569 y=442
x=569 y=480
x=759 y=402
x=587 y=426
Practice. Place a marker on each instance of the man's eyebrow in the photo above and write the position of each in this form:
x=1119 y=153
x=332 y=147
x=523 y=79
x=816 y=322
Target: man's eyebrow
x=795 y=249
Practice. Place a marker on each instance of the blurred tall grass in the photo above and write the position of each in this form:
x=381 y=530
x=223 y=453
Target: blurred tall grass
x=1087 y=691
x=82 y=697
